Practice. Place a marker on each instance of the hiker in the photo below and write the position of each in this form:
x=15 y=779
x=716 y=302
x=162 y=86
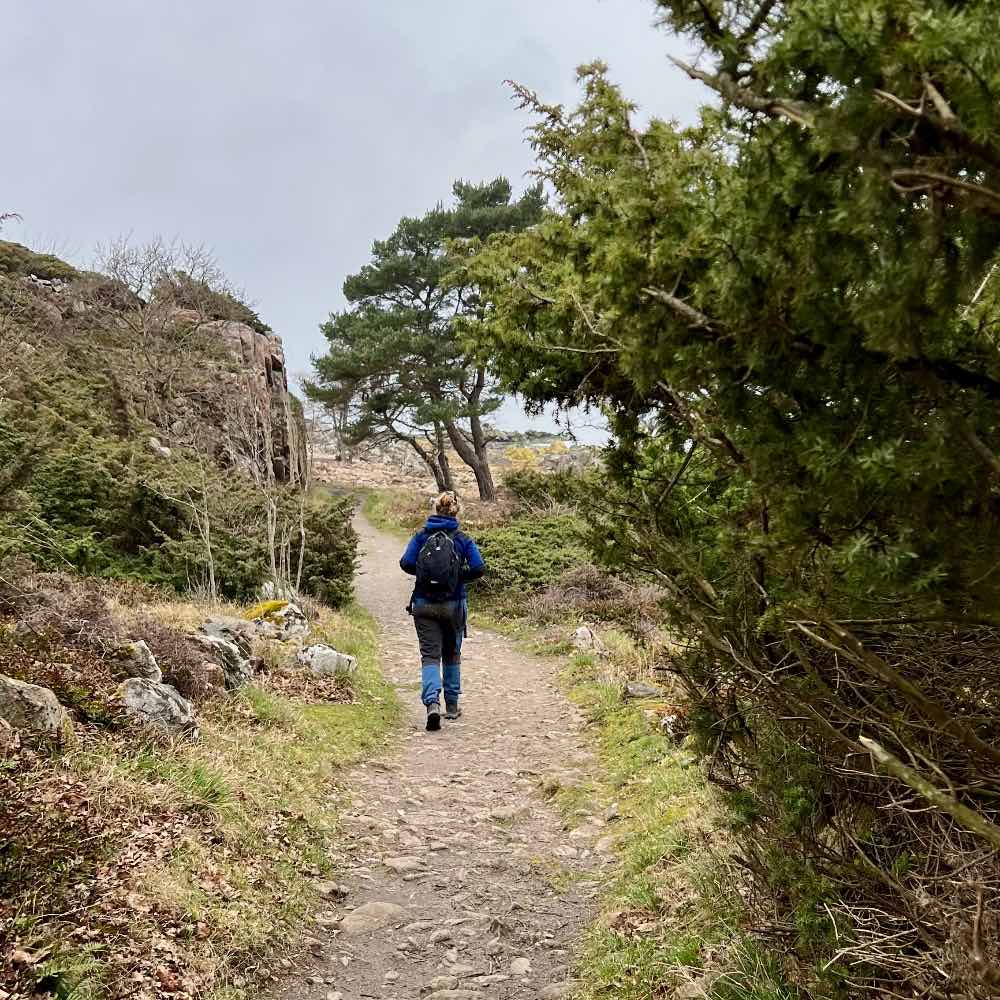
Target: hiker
x=444 y=560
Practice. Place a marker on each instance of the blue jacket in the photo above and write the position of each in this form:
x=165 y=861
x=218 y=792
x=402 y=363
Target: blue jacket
x=473 y=566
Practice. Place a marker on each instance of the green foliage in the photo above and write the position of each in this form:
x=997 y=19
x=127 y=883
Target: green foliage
x=81 y=489
x=529 y=553
x=331 y=550
x=538 y=489
x=19 y=260
x=775 y=307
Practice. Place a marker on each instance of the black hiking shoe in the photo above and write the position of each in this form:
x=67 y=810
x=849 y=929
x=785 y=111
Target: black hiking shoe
x=452 y=711
x=433 y=717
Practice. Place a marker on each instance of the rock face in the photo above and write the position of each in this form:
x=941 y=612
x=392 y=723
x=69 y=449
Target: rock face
x=141 y=662
x=159 y=704
x=33 y=709
x=265 y=380
x=325 y=661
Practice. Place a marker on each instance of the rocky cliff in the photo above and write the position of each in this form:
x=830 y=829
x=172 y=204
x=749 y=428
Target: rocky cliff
x=227 y=389
x=262 y=373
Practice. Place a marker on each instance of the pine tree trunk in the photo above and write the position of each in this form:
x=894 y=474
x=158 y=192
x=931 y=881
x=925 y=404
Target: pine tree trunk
x=442 y=457
x=442 y=475
x=480 y=467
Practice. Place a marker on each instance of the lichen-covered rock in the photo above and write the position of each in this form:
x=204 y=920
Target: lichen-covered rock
x=237 y=668
x=284 y=622
x=33 y=709
x=160 y=705
x=159 y=449
x=325 y=661
x=140 y=661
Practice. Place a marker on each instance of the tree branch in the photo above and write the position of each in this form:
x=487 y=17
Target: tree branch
x=925 y=180
x=696 y=319
x=722 y=83
x=962 y=814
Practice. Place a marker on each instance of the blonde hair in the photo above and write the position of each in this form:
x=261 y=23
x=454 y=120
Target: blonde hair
x=447 y=504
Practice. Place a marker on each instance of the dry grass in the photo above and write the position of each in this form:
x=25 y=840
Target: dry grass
x=138 y=866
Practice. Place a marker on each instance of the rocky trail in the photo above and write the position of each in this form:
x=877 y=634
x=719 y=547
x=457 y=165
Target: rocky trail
x=458 y=879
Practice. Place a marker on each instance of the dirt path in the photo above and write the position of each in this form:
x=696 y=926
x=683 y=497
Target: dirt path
x=461 y=880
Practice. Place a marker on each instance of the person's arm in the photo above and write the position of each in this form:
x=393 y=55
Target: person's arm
x=408 y=562
x=474 y=566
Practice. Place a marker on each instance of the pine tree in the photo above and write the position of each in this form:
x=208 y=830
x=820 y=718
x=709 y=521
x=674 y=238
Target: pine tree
x=395 y=355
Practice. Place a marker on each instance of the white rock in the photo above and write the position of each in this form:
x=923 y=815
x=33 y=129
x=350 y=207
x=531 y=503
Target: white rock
x=32 y=709
x=237 y=631
x=588 y=641
x=236 y=667
x=159 y=704
x=504 y=813
x=325 y=661
x=159 y=449
x=520 y=966
x=639 y=689
x=142 y=663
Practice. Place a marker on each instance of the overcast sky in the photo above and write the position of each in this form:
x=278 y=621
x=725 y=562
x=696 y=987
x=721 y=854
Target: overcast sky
x=286 y=136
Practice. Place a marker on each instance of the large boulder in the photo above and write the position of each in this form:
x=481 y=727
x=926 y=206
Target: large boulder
x=159 y=704
x=237 y=668
x=33 y=709
x=325 y=661
x=140 y=661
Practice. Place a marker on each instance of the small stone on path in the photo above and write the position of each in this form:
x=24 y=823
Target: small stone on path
x=557 y=991
x=439 y=983
x=520 y=966
x=372 y=916
x=403 y=866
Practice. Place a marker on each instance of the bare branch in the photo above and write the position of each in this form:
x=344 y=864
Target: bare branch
x=722 y=83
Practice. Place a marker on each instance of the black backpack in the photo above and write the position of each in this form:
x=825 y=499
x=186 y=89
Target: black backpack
x=439 y=566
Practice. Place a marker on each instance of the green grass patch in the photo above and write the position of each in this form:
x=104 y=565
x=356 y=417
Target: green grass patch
x=392 y=512
x=671 y=912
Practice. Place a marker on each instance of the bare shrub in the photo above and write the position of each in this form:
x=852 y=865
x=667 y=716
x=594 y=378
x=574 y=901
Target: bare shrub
x=590 y=593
